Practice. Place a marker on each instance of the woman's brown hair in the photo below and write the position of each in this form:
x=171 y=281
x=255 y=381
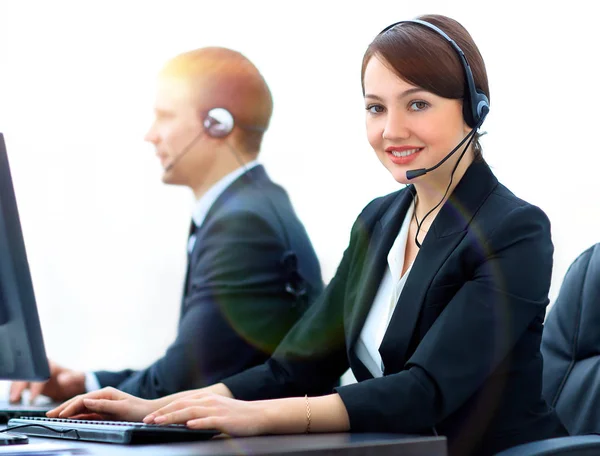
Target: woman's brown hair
x=425 y=59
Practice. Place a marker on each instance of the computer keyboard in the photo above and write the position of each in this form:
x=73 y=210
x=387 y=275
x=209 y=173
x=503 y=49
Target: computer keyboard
x=107 y=431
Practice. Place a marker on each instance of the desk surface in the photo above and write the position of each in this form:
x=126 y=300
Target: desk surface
x=289 y=445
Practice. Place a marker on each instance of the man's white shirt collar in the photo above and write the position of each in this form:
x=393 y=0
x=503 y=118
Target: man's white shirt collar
x=205 y=202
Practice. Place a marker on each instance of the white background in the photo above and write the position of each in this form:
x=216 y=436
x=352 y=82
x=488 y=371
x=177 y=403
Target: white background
x=106 y=239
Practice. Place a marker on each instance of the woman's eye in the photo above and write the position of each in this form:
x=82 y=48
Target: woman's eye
x=419 y=105
x=375 y=109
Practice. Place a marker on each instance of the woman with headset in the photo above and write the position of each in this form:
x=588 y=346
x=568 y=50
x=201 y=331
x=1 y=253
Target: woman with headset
x=438 y=303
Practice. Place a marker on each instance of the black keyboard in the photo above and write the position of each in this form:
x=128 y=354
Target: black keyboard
x=107 y=431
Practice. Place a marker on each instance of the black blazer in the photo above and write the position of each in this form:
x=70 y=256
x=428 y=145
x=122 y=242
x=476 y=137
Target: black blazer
x=235 y=307
x=462 y=350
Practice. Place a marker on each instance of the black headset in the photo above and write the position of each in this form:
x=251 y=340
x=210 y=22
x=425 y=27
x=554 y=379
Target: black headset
x=475 y=104
x=219 y=123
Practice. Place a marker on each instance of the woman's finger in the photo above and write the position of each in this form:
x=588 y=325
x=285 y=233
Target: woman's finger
x=56 y=412
x=184 y=415
x=104 y=393
x=170 y=408
x=206 y=400
x=209 y=422
x=74 y=407
x=111 y=407
x=89 y=417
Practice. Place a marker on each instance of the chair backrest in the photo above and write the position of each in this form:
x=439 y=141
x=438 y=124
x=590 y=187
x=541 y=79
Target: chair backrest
x=571 y=347
x=580 y=445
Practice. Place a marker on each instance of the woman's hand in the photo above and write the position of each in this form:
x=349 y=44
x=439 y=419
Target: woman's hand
x=107 y=403
x=211 y=411
x=293 y=415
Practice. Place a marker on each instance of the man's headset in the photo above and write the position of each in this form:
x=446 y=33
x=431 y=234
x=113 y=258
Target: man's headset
x=219 y=123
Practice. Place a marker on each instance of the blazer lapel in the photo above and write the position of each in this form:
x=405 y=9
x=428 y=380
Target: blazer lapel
x=447 y=230
x=254 y=176
x=384 y=233
x=432 y=255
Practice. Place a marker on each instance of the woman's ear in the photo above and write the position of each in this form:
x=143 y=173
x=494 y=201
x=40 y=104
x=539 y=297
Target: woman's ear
x=466 y=128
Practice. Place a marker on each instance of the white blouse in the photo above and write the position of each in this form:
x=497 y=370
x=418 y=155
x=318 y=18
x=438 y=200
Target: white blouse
x=390 y=288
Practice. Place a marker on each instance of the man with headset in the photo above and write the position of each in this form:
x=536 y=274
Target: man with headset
x=251 y=267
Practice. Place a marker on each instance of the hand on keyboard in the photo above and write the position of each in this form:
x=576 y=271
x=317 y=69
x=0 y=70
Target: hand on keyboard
x=212 y=411
x=108 y=404
x=63 y=384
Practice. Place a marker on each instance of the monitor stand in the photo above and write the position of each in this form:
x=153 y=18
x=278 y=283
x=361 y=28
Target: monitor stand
x=7 y=438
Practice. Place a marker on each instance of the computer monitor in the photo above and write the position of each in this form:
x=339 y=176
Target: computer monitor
x=22 y=353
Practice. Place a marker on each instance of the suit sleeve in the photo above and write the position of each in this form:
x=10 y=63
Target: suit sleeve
x=235 y=313
x=474 y=333
x=112 y=378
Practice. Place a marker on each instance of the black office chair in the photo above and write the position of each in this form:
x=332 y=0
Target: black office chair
x=571 y=351
x=577 y=445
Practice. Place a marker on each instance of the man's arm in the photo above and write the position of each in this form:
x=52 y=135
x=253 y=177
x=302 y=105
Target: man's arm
x=235 y=313
x=100 y=379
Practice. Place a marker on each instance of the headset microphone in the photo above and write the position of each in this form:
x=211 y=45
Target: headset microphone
x=183 y=151
x=414 y=173
x=476 y=107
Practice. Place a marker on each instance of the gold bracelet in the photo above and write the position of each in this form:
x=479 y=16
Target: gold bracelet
x=307 y=414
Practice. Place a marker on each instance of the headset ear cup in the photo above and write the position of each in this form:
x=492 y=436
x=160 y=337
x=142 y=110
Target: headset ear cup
x=218 y=123
x=475 y=110
x=482 y=107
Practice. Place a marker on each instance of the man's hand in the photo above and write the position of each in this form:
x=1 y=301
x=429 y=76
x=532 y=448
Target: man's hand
x=63 y=384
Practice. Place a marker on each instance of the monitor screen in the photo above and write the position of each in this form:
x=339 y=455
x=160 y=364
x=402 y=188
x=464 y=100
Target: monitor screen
x=22 y=353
